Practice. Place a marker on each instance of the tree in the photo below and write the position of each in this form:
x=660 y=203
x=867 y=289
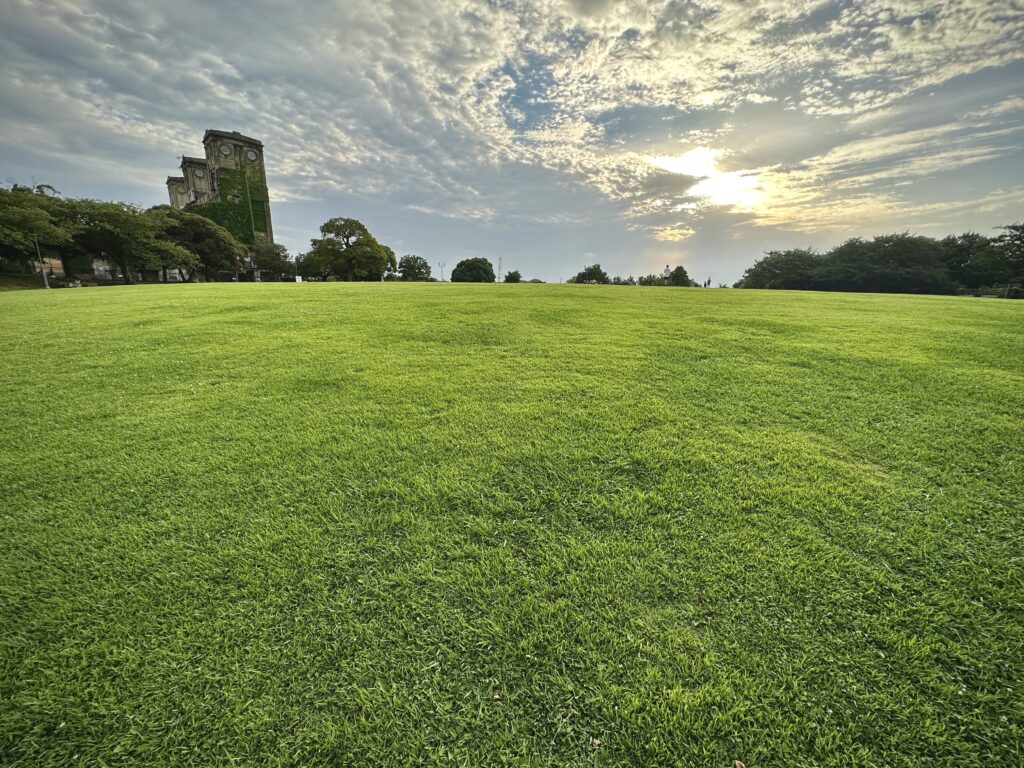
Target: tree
x=165 y=252
x=678 y=277
x=116 y=232
x=795 y=270
x=513 y=277
x=1010 y=249
x=348 y=252
x=270 y=257
x=391 y=267
x=651 y=280
x=971 y=260
x=216 y=249
x=413 y=268
x=30 y=218
x=591 y=275
x=897 y=263
x=478 y=270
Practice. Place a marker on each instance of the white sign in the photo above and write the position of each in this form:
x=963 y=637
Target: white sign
x=298 y=278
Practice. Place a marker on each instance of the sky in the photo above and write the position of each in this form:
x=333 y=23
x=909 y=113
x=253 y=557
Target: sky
x=549 y=134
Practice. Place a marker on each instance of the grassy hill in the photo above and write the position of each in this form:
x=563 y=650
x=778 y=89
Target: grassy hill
x=528 y=525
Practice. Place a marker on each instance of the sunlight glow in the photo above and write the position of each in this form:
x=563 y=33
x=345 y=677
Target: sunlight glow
x=699 y=162
x=739 y=189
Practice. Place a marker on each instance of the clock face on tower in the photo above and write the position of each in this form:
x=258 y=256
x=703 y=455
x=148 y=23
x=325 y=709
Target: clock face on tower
x=251 y=154
x=225 y=149
x=200 y=173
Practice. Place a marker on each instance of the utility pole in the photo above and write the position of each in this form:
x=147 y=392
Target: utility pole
x=499 y=269
x=441 y=263
x=42 y=266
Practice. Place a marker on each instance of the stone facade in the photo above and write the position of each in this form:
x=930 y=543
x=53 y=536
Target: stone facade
x=177 y=191
x=195 y=171
x=232 y=175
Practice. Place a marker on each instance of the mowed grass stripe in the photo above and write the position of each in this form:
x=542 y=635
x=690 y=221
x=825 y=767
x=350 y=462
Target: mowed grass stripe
x=534 y=525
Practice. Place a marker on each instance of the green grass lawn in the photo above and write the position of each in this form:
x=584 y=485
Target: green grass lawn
x=376 y=525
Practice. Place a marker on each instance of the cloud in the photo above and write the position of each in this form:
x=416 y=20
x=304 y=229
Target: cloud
x=673 y=234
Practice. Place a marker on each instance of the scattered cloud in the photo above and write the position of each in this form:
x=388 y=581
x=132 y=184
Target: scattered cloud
x=673 y=234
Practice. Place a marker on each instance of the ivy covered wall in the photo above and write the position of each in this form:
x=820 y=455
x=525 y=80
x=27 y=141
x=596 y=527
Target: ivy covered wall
x=243 y=207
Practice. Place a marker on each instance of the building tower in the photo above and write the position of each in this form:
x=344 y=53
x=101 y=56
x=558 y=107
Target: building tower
x=197 y=181
x=177 y=191
x=238 y=177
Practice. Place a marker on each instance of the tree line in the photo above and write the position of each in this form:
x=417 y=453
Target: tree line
x=163 y=242
x=142 y=244
x=160 y=242
x=900 y=263
x=594 y=275
x=347 y=251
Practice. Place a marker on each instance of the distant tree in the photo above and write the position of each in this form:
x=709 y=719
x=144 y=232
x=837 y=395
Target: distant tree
x=513 y=277
x=346 y=251
x=477 y=270
x=795 y=269
x=270 y=257
x=651 y=280
x=623 y=280
x=591 y=275
x=678 y=277
x=414 y=268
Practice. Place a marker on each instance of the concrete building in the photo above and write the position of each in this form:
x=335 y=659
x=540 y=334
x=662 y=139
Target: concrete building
x=177 y=191
x=232 y=174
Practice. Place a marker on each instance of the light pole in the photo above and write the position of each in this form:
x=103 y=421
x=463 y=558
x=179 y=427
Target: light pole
x=42 y=266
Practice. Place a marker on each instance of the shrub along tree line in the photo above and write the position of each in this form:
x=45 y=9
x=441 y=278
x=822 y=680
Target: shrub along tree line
x=900 y=263
x=142 y=244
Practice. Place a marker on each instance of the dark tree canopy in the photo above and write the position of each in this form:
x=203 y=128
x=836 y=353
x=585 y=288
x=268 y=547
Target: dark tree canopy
x=513 y=276
x=591 y=275
x=971 y=260
x=413 y=268
x=477 y=270
x=899 y=263
x=1009 y=248
x=795 y=269
x=896 y=263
